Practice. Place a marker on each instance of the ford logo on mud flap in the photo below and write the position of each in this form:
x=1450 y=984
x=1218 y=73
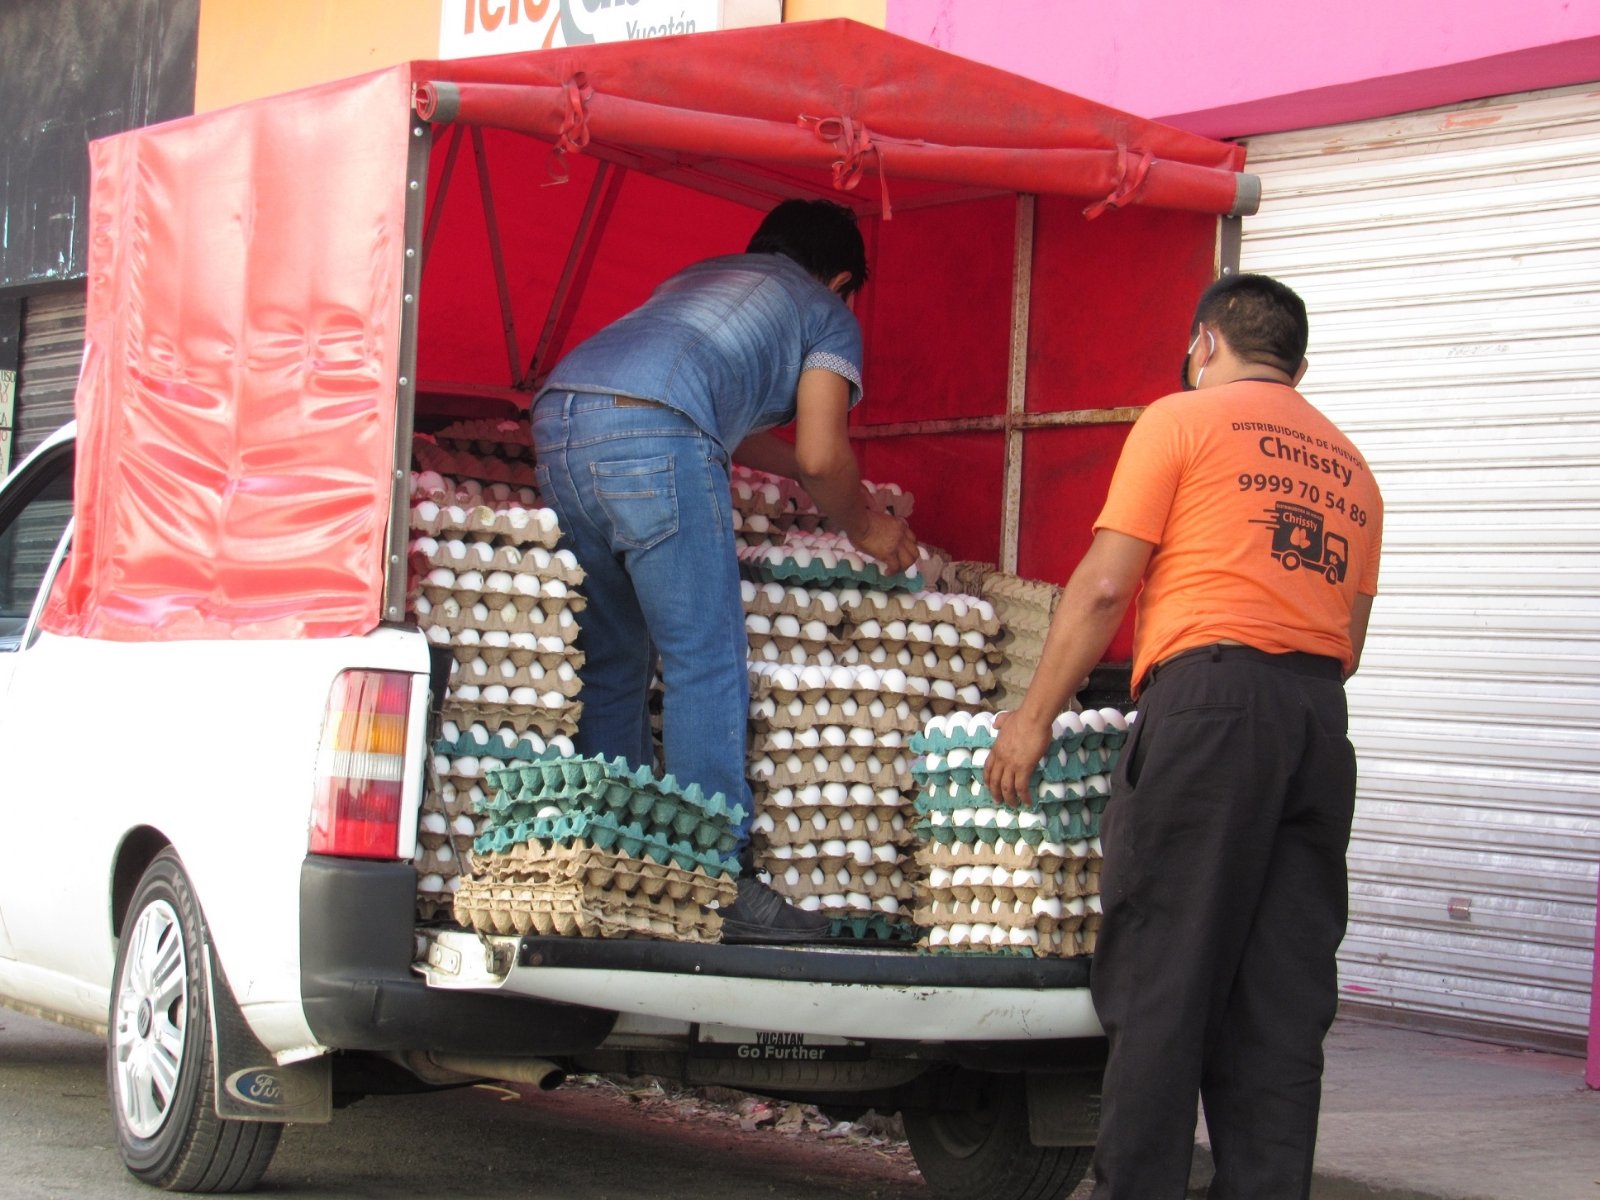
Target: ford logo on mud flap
x=256 y=1086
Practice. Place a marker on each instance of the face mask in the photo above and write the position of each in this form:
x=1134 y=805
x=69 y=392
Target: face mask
x=1183 y=371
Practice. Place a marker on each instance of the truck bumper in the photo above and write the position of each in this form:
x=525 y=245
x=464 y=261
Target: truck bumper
x=895 y=995
x=357 y=943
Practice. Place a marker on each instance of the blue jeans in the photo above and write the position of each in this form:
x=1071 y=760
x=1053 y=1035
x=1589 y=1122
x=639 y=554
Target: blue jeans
x=644 y=503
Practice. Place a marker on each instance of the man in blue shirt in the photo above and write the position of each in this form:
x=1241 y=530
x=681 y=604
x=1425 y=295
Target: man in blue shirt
x=634 y=431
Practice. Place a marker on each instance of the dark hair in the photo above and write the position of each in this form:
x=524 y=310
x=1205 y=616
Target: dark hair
x=1262 y=320
x=819 y=235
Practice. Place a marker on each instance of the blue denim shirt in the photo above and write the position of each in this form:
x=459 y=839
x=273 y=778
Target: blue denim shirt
x=724 y=342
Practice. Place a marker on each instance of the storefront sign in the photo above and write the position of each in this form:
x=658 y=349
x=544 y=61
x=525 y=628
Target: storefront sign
x=472 y=27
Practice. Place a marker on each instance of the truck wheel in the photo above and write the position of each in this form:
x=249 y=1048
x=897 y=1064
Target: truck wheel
x=983 y=1153
x=1290 y=560
x=159 y=1069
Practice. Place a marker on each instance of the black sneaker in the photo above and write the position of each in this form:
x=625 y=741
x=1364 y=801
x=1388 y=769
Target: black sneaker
x=759 y=914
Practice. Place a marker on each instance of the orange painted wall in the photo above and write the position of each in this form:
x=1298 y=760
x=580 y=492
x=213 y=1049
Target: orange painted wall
x=249 y=49
x=868 y=12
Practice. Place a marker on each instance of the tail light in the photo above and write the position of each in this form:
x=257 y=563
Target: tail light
x=360 y=780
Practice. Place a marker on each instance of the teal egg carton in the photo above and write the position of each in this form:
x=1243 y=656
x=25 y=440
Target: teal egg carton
x=936 y=742
x=980 y=951
x=594 y=785
x=876 y=928
x=945 y=792
x=608 y=833
x=815 y=574
x=522 y=750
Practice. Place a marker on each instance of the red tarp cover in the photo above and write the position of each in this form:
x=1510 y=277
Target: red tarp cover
x=237 y=405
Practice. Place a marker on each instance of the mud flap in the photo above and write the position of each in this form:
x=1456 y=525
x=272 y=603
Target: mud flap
x=249 y=1085
x=1063 y=1108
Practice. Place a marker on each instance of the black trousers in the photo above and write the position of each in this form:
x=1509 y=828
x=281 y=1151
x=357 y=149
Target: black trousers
x=1224 y=898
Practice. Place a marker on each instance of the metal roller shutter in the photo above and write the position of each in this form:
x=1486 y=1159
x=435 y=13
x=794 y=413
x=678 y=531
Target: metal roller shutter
x=1451 y=263
x=47 y=376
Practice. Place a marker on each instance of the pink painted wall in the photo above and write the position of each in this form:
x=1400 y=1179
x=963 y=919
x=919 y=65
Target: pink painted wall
x=1255 y=66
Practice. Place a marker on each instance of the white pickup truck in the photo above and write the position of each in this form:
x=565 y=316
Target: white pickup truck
x=216 y=715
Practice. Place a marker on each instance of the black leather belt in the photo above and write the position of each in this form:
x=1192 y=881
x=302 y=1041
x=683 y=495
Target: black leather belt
x=1318 y=666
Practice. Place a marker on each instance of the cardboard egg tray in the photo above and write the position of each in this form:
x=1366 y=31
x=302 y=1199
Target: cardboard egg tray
x=795 y=770
x=760 y=637
x=479 y=672
x=755 y=529
x=574 y=910
x=1012 y=854
x=835 y=684
x=548 y=661
x=605 y=831
x=470 y=492
x=521 y=525
x=546 y=721
x=804 y=604
x=454 y=616
x=795 y=881
x=508 y=439
x=591 y=866
x=460 y=554
x=766 y=713
x=490 y=468
x=830 y=739
x=967 y=613
x=875 y=825
x=496 y=589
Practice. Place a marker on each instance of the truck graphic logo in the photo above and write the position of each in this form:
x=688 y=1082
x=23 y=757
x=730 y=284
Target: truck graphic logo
x=1299 y=540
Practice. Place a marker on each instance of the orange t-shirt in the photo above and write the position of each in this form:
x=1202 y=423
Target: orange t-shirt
x=1266 y=522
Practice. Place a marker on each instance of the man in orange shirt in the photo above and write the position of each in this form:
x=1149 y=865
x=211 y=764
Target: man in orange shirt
x=1255 y=528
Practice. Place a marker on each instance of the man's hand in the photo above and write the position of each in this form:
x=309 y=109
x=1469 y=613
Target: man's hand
x=1014 y=757
x=887 y=539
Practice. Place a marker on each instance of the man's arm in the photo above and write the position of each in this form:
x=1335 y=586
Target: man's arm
x=1085 y=621
x=827 y=470
x=1360 y=614
x=767 y=452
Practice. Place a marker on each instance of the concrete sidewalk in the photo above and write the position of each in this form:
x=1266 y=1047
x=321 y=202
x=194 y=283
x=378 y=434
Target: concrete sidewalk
x=1418 y=1116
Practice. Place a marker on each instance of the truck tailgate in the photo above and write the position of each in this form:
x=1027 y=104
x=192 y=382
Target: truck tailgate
x=857 y=993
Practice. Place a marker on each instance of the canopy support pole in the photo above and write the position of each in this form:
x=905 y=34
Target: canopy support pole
x=580 y=258
x=446 y=173
x=508 y=321
x=1017 y=384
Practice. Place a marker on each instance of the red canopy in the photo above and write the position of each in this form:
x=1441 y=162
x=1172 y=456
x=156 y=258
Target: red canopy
x=251 y=332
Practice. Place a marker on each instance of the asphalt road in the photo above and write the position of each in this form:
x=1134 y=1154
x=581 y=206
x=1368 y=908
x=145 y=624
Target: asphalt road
x=577 y=1143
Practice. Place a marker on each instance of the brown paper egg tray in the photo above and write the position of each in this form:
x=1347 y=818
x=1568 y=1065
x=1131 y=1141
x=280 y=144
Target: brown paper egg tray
x=520 y=909
x=464 y=464
x=892 y=721
x=428 y=862
x=466 y=597
x=587 y=866
x=514 y=560
x=888 y=744
x=490 y=436
x=535 y=620
x=842 y=770
x=945 y=664
x=531 y=675
x=803 y=604
x=1011 y=855
x=1058 y=943
x=948 y=912
x=546 y=722
x=879 y=889
x=455 y=798
x=519 y=656
x=862 y=605
x=485 y=520
x=834 y=827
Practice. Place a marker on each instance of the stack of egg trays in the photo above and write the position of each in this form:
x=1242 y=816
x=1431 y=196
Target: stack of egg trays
x=580 y=890
x=614 y=807
x=847 y=788
x=494 y=438
x=943 y=642
x=823 y=560
x=515 y=588
x=448 y=822
x=965 y=829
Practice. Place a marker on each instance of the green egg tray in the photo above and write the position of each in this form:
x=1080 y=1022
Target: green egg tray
x=594 y=785
x=465 y=745
x=876 y=928
x=608 y=833
x=975 y=952
x=942 y=743
x=815 y=574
